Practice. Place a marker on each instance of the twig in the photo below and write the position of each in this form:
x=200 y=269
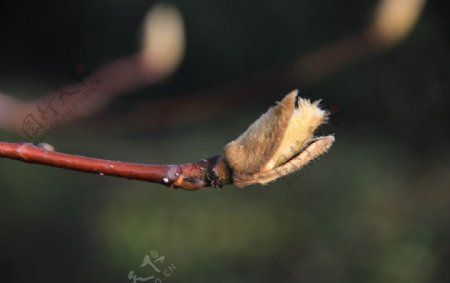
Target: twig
x=280 y=142
x=211 y=172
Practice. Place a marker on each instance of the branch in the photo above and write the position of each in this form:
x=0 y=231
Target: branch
x=211 y=172
x=280 y=142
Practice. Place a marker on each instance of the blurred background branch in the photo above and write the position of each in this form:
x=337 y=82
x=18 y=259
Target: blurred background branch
x=162 y=52
x=163 y=45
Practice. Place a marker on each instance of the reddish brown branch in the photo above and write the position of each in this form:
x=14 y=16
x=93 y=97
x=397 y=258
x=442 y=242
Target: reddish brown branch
x=280 y=142
x=211 y=172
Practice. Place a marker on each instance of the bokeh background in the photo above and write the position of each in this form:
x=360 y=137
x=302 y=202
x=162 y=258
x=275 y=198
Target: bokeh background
x=374 y=209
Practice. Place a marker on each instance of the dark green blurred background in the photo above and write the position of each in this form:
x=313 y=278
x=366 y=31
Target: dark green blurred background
x=374 y=209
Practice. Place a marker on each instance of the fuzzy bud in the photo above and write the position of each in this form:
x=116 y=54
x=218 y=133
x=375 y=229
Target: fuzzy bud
x=280 y=142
